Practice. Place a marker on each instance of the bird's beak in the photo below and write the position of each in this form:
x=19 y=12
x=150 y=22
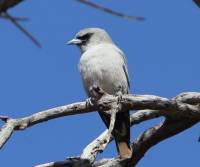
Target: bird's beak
x=74 y=42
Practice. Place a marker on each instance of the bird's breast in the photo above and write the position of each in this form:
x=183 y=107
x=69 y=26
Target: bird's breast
x=102 y=69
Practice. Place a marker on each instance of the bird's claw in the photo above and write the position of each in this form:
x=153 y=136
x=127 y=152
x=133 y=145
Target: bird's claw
x=119 y=100
x=90 y=101
x=96 y=91
x=119 y=97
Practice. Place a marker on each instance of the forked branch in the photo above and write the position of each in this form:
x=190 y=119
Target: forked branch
x=180 y=112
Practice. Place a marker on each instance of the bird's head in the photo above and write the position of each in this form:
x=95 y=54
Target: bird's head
x=89 y=37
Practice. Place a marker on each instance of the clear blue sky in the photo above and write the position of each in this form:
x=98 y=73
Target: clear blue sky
x=163 y=58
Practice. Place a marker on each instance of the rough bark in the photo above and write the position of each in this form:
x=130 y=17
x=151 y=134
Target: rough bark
x=180 y=112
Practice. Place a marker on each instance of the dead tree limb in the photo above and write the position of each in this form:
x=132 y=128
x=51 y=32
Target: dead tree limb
x=197 y=2
x=148 y=139
x=165 y=106
x=5 y=5
x=22 y=29
x=158 y=133
x=180 y=112
x=110 y=11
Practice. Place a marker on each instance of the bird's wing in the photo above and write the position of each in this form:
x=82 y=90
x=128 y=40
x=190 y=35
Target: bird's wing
x=124 y=66
x=126 y=73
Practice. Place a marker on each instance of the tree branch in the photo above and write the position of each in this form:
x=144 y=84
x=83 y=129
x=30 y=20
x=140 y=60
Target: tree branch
x=7 y=4
x=19 y=19
x=165 y=106
x=22 y=29
x=148 y=139
x=110 y=11
x=70 y=162
x=197 y=2
x=92 y=149
x=156 y=134
x=181 y=112
x=90 y=152
x=23 y=123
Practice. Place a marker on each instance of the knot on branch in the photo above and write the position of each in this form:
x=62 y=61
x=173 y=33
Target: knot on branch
x=188 y=97
x=22 y=126
x=181 y=112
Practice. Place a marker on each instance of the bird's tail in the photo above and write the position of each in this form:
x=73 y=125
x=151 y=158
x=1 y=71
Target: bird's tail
x=121 y=132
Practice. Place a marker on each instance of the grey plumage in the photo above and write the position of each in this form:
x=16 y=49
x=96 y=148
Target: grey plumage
x=103 y=64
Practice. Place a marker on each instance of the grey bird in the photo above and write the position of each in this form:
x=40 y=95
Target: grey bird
x=103 y=64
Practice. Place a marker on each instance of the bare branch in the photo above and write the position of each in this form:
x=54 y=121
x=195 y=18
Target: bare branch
x=165 y=106
x=6 y=4
x=90 y=152
x=3 y=16
x=148 y=139
x=152 y=136
x=96 y=146
x=197 y=2
x=23 y=123
x=6 y=131
x=14 y=21
x=70 y=162
x=180 y=114
x=92 y=149
x=188 y=97
x=110 y=11
x=4 y=118
x=144 y=115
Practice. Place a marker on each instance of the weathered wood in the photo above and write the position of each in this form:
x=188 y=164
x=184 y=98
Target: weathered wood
x=181 y=113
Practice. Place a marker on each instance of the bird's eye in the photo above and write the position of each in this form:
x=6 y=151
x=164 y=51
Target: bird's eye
x=84 y=37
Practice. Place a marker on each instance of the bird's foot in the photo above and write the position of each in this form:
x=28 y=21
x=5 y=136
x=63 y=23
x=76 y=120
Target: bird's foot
x=119 y=99
x=96 y=92
x=119 y=94
x=90 y=101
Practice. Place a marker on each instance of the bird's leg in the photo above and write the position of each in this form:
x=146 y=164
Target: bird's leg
x=97 y=91
x=95 y=94
x=89 y=102
x=119 y=96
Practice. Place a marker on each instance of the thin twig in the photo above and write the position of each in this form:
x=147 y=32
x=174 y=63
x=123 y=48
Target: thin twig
x=16 y=18
x=165 y=106
x=6 y=4
x=22 y=29
x=156 y=134
x=188 y=114
x=110 y=11
x=197 y=2
x=90 y=152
